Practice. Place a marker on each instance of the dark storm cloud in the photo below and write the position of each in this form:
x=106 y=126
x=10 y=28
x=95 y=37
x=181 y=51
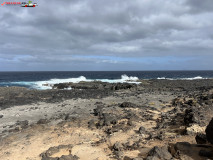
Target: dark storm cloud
x=71 y=33
x=200 y=6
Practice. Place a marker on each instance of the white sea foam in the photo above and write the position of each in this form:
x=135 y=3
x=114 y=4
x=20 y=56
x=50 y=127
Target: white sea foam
x=161 y=78
x=124 y=78
x=49 y=83
x=194 y=78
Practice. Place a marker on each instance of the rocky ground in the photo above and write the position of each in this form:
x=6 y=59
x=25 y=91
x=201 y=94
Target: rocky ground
x=154 y=120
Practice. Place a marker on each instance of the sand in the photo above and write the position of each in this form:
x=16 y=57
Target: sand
x=72 y=121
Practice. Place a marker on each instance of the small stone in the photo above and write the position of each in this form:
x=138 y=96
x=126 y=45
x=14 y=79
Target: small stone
x=91 y=124
x=42 y=121
x=128 y=105
x=142 y=130
x=117 y=146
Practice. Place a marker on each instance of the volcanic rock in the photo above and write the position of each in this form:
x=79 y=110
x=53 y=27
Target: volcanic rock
x=205 y=153
x=209 y=132
x=128 y=105
x=201 y=138
x=142 y=130
x=43 y=121
x=159 y=153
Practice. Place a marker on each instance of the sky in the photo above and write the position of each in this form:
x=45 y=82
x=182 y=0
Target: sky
x=88 y=35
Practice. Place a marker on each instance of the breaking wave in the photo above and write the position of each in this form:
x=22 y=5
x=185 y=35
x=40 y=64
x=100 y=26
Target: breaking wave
x=194 y=78
x=43 y=85
x=47 y=84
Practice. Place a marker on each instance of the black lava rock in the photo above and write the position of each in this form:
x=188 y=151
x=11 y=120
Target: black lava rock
x=142 y=130
x=201 y=138
x=43 y=121
x=22 y=124
x=191 y=116
x=209 y=132
x=205 y=153
x=117 y=146
x=128 y=105
x=159 y=153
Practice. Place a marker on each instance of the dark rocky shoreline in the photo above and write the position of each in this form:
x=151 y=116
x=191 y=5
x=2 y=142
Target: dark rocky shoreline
x=156 y=119
x=11 y=96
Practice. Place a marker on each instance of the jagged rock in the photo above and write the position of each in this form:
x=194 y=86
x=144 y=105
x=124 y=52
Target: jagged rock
x=180 y=149
x=61 y=86
x=98 y=111
x=67 y=117
x=201 y=138
x=94 y=85
x=119 y=86
x=130 y=123
x=43 y=121
x=91 y=124
x=182 y=146
x=118 y=146
x=142 y=130
x=205 y=153
x=52 y=150
x=190 y=116
x=209 y=132
x=159 y=153
x=109 y=119
x=160 y=136
x=119 y=155
x=128 y=105
x=189 y=102
x=22 y=124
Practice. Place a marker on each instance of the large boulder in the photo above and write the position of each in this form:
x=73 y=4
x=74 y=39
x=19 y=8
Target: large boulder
x=158 y=153
x=191 y=116
x=201 y=138
x=209 y=132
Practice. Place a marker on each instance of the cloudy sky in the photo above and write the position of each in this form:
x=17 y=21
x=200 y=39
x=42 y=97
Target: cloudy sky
x=107 y=35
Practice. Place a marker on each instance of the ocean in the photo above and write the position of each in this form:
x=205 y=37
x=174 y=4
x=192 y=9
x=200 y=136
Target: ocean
x=35 y=80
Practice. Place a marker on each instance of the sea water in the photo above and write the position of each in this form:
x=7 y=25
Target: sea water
x=44 y=80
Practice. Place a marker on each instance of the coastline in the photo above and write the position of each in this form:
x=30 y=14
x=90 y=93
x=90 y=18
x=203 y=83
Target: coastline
x=104 y=123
